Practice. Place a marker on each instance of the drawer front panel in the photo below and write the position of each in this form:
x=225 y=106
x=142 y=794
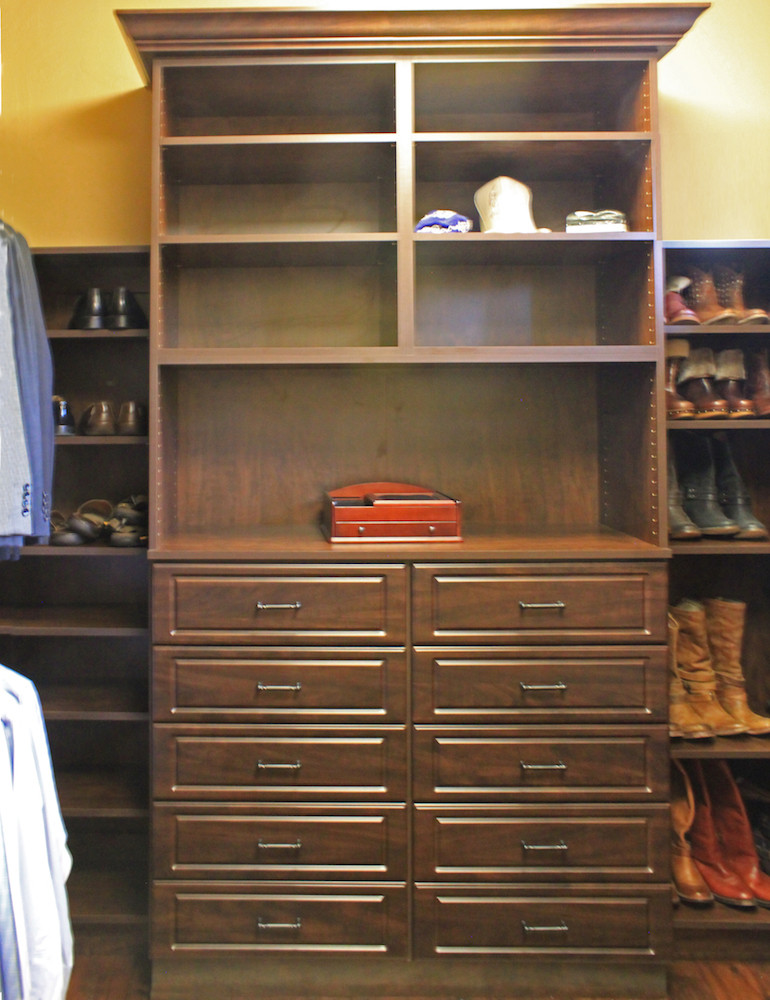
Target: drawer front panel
x=558 y=844
x=211 y=762
x=587 y=921
x=291 y=843
x=275 y=604
x=630 y=764
x=617 y=684
x=206 y=917
x=613 y=602
x=196 y=685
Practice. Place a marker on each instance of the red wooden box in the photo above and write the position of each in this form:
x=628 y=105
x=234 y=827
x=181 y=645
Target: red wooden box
x=390 y=512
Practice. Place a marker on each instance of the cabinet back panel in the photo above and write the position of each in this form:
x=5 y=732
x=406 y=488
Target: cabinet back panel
x=251 y=98
x=523 y=95
x=517 y=445
x=280 y=208
x=282 y=307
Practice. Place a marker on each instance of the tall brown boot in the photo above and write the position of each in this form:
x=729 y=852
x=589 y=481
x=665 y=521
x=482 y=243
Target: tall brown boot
x=724 y=624
x=677 y=407
x=758 y=382
x=729 y=382
x=695 y=383
x=702 y=295
x=688 y=881
x=733 y=829
x=729 y=289
x=706 y=848
x=683 y=719
x=695 y=669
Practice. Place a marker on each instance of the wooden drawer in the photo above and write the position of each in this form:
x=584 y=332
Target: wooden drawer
x=568 y=763
x=293 y=842
x=248 y=917
x=556 y=843
x=235 y=604
x=237 y=762
x=573 y=602
x=278 y=685
x=609 y=920
x=554 y=684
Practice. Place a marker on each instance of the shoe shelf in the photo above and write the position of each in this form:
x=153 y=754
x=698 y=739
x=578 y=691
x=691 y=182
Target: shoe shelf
x=721 y=918
x=74 y=619
x=727 y=747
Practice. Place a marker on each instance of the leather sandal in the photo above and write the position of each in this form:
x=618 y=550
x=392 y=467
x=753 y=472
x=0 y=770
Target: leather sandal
x=61 y=533
x=132 y=510
x=90 y=519
x=126 y=535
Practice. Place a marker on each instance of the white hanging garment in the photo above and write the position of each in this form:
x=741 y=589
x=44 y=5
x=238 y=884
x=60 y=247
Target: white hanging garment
x=43 y=859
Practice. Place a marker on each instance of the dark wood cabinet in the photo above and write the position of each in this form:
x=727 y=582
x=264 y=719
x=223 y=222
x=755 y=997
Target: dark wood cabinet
x=344 y=709
x=75 y=619
x=734 y=569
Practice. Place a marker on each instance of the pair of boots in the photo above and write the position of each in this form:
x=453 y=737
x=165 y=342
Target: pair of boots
x=706 y=494
x=712 y=845
x=700 y=297
x=703 y=385
x=707 y=688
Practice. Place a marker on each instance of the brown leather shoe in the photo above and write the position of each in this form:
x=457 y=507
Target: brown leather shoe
x=677 y=407
x=729 y=382
x=758 y=382
x=132 y=419
x=695 y=382
x=98 y=419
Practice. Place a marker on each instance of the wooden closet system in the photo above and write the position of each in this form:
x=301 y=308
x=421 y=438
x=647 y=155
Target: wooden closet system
x=407 y=768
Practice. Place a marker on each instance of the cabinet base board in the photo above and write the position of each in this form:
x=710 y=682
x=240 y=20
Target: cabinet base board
x=238 y=979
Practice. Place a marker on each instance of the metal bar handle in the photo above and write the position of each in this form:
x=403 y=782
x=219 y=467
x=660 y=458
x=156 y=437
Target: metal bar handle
x=561 y=846
x=558 y=686
x=542 y=605
x=265 y=845
x=265 y=925
x=560 y=928
x=558 y=766
x=290 y=606
x=268 y=766
x=279 y=687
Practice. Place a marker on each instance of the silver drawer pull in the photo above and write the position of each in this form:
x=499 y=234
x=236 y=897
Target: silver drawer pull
x=290 y=766
x=542 y=606
x=558 y=766
x=561 y=846
x=560 y=928
x=291 y=606
x=264 y=925
x=279 y=687
x=265 y=845
x=558 y=686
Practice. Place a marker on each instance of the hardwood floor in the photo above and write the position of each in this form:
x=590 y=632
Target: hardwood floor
x=719 y=981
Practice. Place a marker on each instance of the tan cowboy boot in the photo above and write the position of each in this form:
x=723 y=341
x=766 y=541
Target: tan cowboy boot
x=724 y=624
x=688 y=881
x=695 y=669
x=729 y=289
x=683 y=720
x=703 y=299
x=677 y=407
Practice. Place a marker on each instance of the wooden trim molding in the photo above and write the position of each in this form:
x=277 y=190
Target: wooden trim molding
x=152 y=34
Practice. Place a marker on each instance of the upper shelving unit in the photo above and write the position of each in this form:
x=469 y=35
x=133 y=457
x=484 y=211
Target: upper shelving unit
x=298 y=312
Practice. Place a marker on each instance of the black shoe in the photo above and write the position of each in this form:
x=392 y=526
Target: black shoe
x=64 y=422
x=90 y=311
x=125 y=312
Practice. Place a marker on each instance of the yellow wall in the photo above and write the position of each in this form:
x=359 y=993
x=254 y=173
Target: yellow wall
x=75 y=123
